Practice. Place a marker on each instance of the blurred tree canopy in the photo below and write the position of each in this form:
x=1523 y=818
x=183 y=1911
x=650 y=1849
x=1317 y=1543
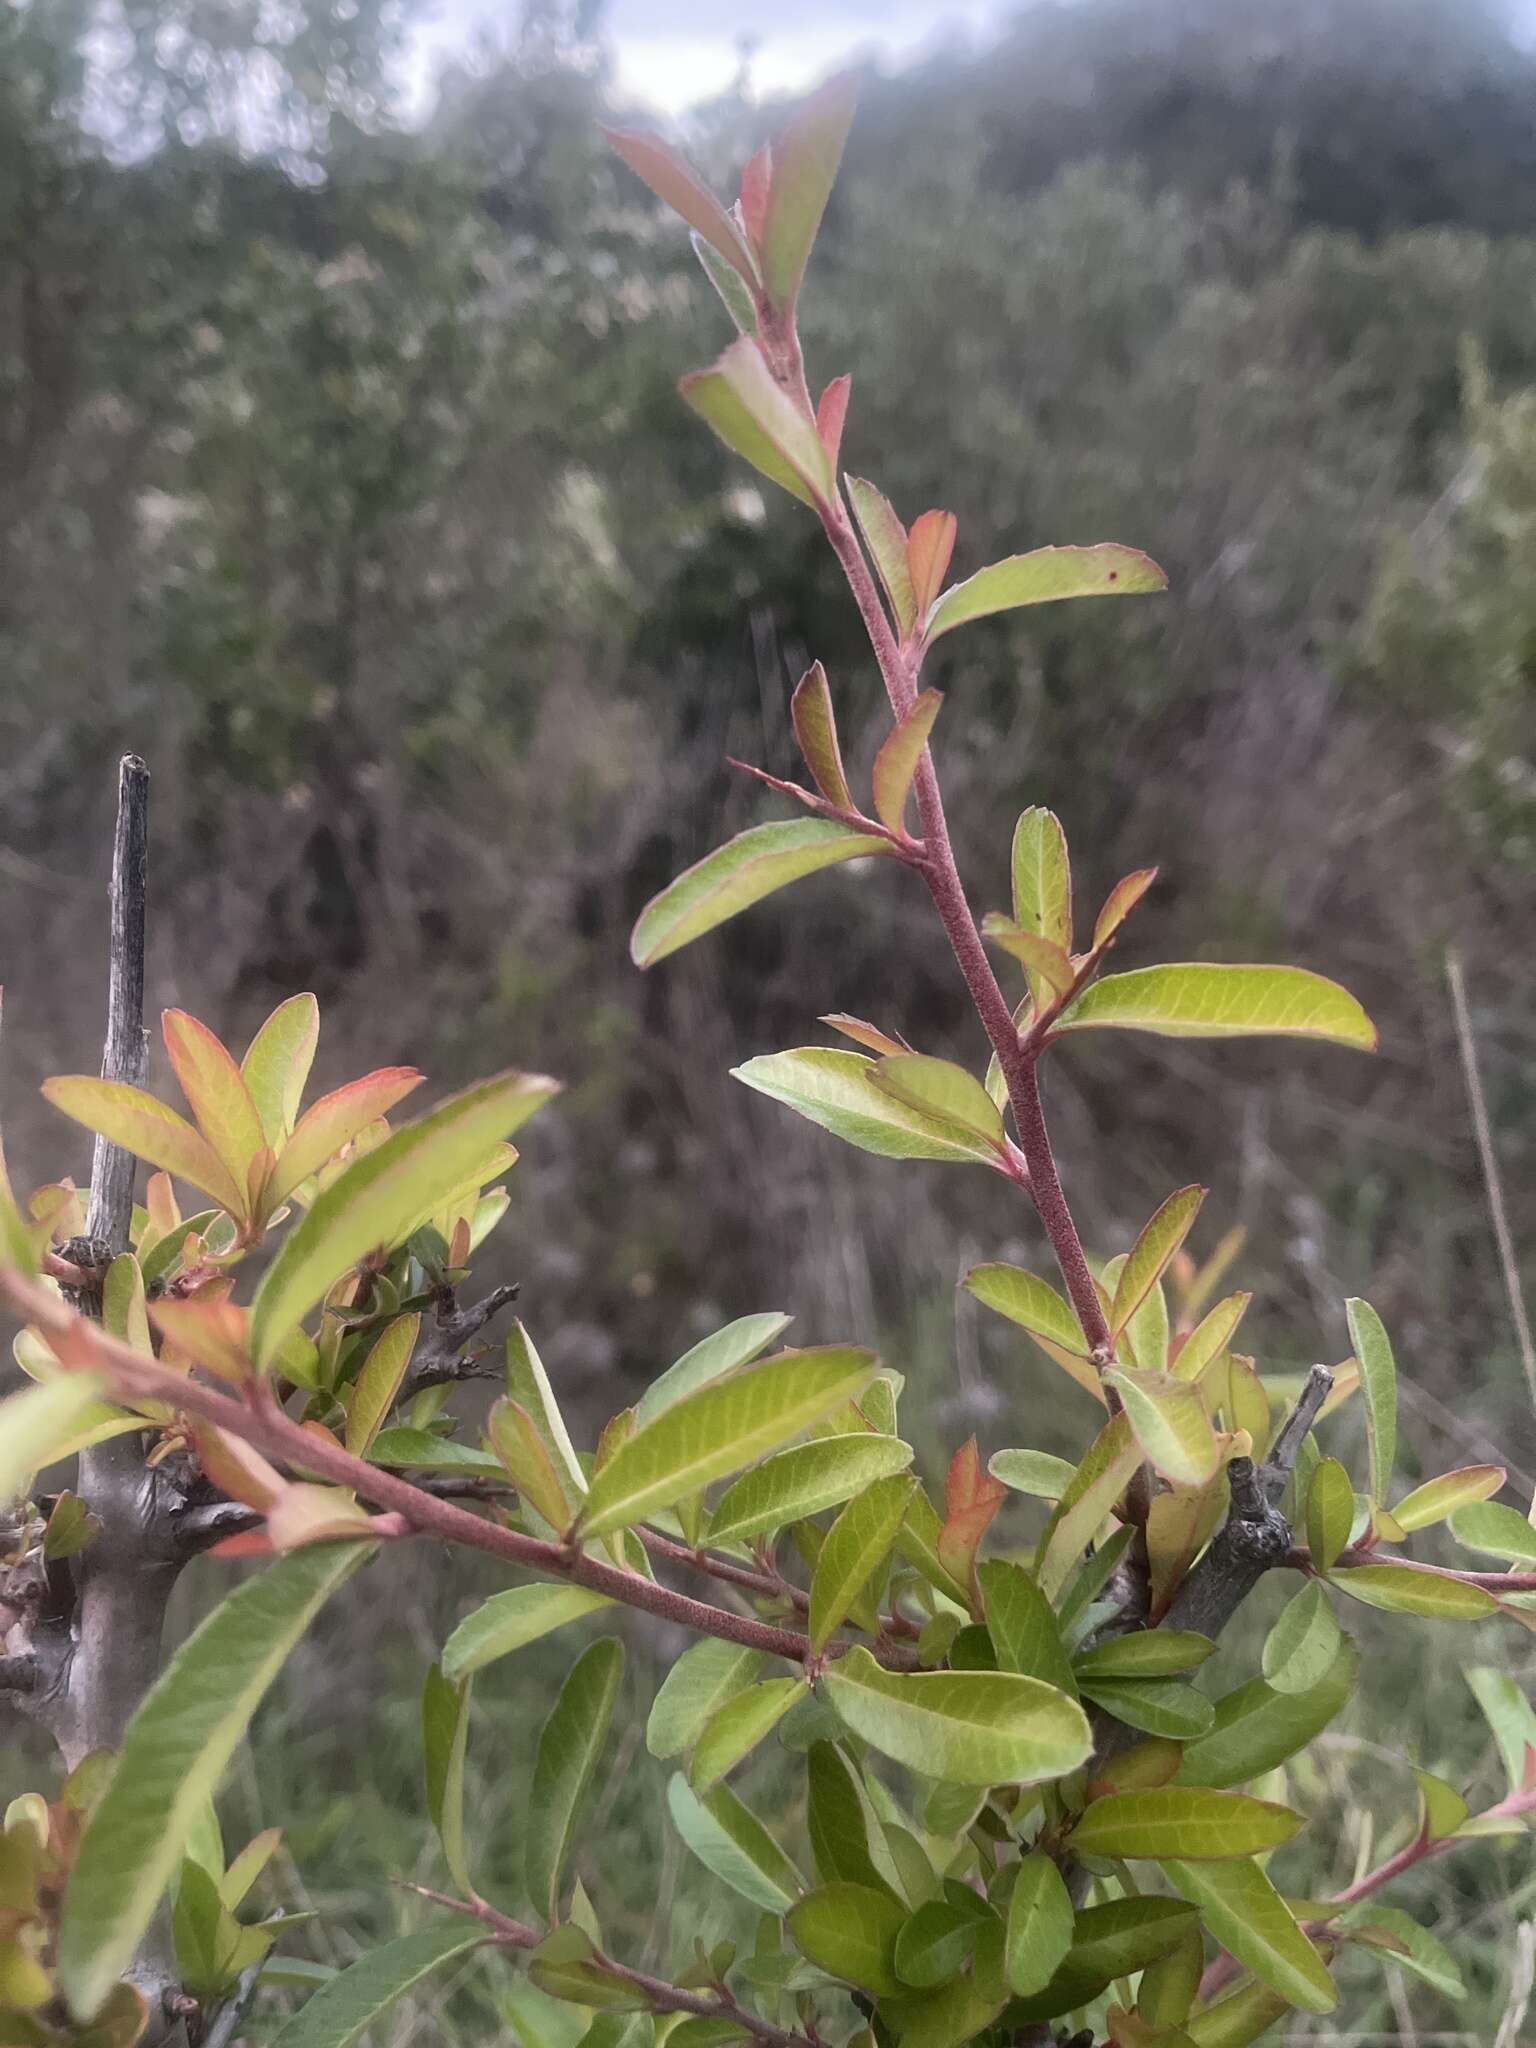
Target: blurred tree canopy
x=341 y=474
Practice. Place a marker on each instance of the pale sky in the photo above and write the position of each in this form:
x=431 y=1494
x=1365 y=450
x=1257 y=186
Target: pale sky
x=675 y=52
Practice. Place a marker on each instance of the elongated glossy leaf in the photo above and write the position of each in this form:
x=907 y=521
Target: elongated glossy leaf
x=1300 y=1649
x=1164 y=1707
x=1042 y=886
x=805 y=160
x=1147 y=1653
x=1170 y=1423
x=1039 y=1927
x=1437 y=1498
x=941 y=1090
x=1401 y=1590
x=508 y=1620
x=569 y=1748
x=216 y=1091
x=444 y=1738
x=1330 y=1513
x=1041 y=577
x=40 y=1424
x=739 y=1726
x=1024 y=1630
x=1050 y=970
x=858 y=1542
x=335 y=1120
x=1120 y=902
x=929 y=547
x=379 y=1381
x=1238 y=2019
x=419 y=1448
x=703 y=1679
x=886 y=539
x=845 y=1835
x=741 y=873
x=756 y=419
x=1257 y=1727
x=1510 y=1716
x=965 y=1728
x=731 y=1841
x=172 y=1758
x=1170 y=1986
x=896 y=762
x=1210 y=1338
x=382 y=1194
x=1413 y=1947
x=1149 y=1257
x=1500 y=1531
x=1099 y=1482
x=277 y=1062
x=1249 y=1918
x=803 y=1481
x=1108 y=1941
x=720 y=1428
x=1378 y=1386
x=815 y=725
x=1036 y=1473
x=345 y=2007
x=674 y=181
x=734 y=293
x=1186 y=1821
x=836 y=1089
x=850 y=1932
x=1030 y=1302
x=936 y=1943
x=1200 y=999
x=148 y=1128
x=525 y=1457
x=710 y=1359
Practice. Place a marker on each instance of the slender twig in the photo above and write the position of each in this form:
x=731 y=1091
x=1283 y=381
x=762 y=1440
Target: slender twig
x=659 y=1994
x=1299 y=1559
x=126 y=1051
x=1492 y=1179
x=766 y=1585
x=260 y=1421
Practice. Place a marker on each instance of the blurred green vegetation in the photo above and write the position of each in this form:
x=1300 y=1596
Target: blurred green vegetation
x=342 y=475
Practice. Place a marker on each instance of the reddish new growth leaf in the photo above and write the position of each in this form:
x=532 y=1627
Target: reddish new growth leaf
x=831 y=413
x=756 y=184
x=971 y=1498
x=929 y=547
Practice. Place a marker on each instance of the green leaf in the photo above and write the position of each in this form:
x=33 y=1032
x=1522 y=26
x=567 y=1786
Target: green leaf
x=1042 y=883
x=444 y=1733
x=721 y=1427
x=345 y=2007
x=802 y=1481
x=40 y=1424
x=1300 y=1649
x=421 y=1450
x=935 y=1944
x=1378 y=1388
x=1108 y=1941
x=1049 y=967
x=1149 y=1653
x=805 y=160
x=966 y=1728
x=1035 y=1473
x=841 y=1823
x=1238 y=2019
x=836 y=1089
x=701 y=1681
x=858 y=1542
x=742 y=872
x=1442 y=1808
x=569 y=1747
x=1170 y=1986
x=216 y=1092
x=1208 y=1341
x=1437 y=1498
x=379 y=1198
x=1157 y=1706
x=1509 y=1714
x=172 y=1758
x=148 y=1128
x=525 y=1456
x=1040 y=1925
x=1030 y=1302
x=758 y=420
x=886 y=539
x=1199 y=999
x=1184 y=1821
x=1500 y=1531
x=277 y=1062
x=896 y=762
x=1257 y=1727
x=1249 y=1918
x=1330 y=1513
x=678 y=185
x=1413 y=1949
x=1023 y=1628
x=732 y=1842
x=1149 y=1257
x=850 y=1932
x=1119 y=904
x=1170 y=1422
x=1101 y=1478
x=379 y=1382
x=1041 y=577
x=566 y=1965
x=815 y=723
x=940 y=1089
x=529 y=1386
x=739 y=1726
x=1399 y=1589
x=710 y=1359
x=508 y=1620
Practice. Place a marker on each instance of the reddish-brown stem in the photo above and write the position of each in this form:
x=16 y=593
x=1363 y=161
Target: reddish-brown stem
x=765 y=1585
x=261 y=1422
x=660 y=1995
x=1419 y=1850
x=1300 y=1559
